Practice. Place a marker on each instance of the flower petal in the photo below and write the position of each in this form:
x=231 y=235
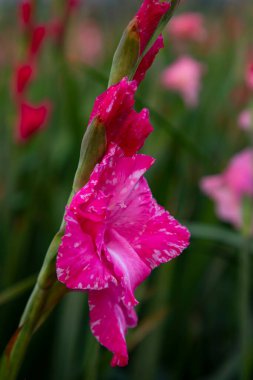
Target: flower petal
x=152 y=232
x=124 y=126
x=128 y=268
x=78 y=264
x=148 y=18
x=109 y=321
x=148 y=59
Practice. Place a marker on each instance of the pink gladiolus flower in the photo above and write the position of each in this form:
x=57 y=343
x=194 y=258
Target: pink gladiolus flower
x=184 y=76
x=115 y=235
x=187 y=27
x=23 y=75
x=229 y=188
x=26 y=13
x=124 y=126
x=249 y=76
x=32 y=119
x=245 y=120
x=38 y=35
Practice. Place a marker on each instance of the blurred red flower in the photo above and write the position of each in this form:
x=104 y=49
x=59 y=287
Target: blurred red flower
x=31 y=119
x=23 y=75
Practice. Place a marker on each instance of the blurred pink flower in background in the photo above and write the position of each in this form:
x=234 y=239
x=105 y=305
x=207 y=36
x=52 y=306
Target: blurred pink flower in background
x=245 y=120
x=187 y=27
x=31 y=119
x=229 y=188
x=249 y=76
x=85 y=43
x=184 y=76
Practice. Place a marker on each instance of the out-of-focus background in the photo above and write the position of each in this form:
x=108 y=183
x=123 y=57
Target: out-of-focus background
x=189 y=309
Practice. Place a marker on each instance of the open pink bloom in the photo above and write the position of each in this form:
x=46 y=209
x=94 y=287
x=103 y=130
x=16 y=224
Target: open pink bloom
x=184 y=76
x=23 y=75
x=26 y=13
x=245 y=120
x=115 y=235
x=124 y=126
x=38 y=35
x=31 y=119
x=187 y=27
x=229 y=188
x=249 y=76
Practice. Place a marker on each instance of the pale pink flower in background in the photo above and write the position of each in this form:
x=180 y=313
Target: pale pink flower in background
x=184 y=76
x=229 y=189
x=116 y=233
x=86 y=43
x=245 y=120
x=187 y=27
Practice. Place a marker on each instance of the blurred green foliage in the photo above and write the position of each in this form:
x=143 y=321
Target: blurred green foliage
x=189 y=308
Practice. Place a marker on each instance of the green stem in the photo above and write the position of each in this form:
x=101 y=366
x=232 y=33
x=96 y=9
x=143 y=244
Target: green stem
x=16 y=349
x=91 y=358
x=244 y=308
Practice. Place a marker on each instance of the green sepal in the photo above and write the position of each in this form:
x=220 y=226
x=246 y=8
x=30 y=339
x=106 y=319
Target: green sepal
x=92 y=150
x=126 y=55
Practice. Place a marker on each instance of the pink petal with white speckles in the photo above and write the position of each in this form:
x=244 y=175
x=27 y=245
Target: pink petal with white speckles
x=162 y=239
x=122 y=177
x=152 y=232
x=128 y=268
x=109 y=321
x=78 y=264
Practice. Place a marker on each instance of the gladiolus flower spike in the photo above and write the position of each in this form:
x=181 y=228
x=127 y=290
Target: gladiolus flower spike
x=116 y=233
